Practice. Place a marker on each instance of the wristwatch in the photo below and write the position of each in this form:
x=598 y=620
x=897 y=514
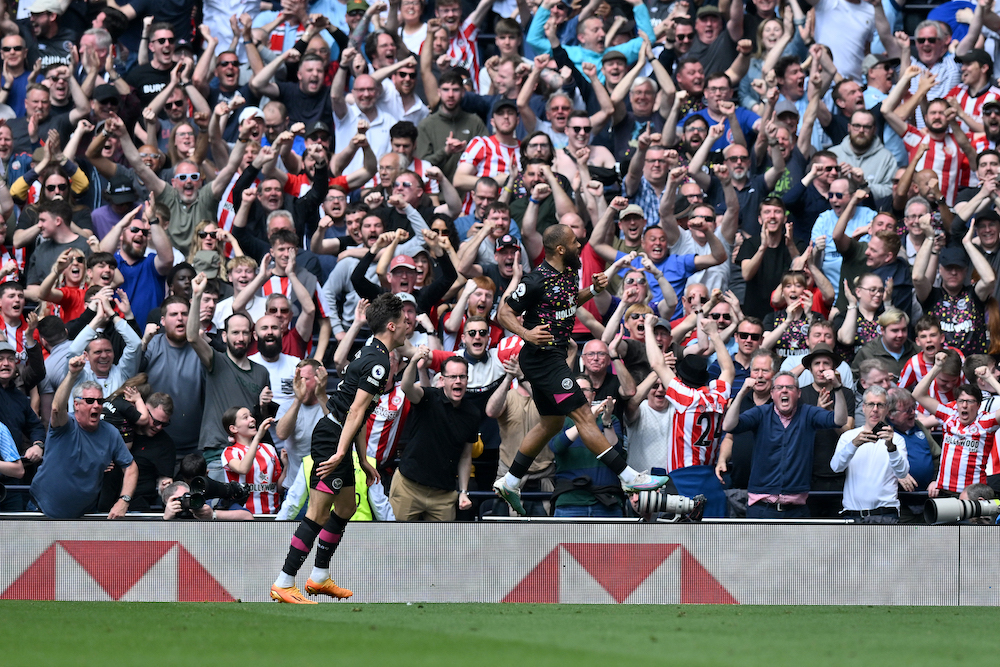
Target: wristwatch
x=127 y=498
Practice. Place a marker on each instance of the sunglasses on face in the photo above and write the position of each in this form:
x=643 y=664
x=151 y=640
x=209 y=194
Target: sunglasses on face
x=165 y=40
x=720 y=316
x=635 y=281
x=743 y=335
x=829 y=169
x=109 y=102
x=927 y=40
x=283 y=311
x=57 y=187
x=158 y=423
x=476 y=333
x=356 y=12
x=176 y=104
x=8 y=49
x=407 y=75
x=406 y=185
x=90 y=400
x=139 y=230
x=153 y=156
x=229 y=63
x=835 y=195
x=195 y=177
x=636 y=316
x=738 y=158
x=581 y=129
x=78 y=260
x=207 y=235
x=689 y=37
x=706 y=218
x=694 y=299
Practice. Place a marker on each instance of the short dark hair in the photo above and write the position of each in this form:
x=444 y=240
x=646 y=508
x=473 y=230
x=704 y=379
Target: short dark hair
x=783 y=64
x=283 y=236
x=59 y=208
x=234 y=316
x=52 y=329
x=385 y=308
x=404 y=129
x=192 y=465
x=102 y=258
x=715 y=76
x=161 y=400
x=10 y=286
x=162 y=25
x=177 y=268
x=452 y=77
x=456 y=359
x=970 y=390
x=500 y=206
x=115 y=22
x=171 y=300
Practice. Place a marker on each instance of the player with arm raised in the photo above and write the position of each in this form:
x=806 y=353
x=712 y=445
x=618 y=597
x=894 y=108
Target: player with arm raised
x=548 y=298
x=331 y=484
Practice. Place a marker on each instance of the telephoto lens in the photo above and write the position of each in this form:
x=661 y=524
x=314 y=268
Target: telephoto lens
x=953 y=510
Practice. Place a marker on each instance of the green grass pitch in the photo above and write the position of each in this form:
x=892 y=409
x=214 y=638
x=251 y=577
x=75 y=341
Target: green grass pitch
x=470 y=635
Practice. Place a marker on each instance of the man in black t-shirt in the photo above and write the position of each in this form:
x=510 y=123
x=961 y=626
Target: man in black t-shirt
x=441 y=429
x=331 y=483
x=151 y=78
x=548 y=298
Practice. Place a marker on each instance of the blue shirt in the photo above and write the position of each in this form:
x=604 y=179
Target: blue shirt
x=832 y=259
x=676 y=269
x=8 y=450
x=69 y=480
x=144 y=285
x=918 y=453
x=744 y=117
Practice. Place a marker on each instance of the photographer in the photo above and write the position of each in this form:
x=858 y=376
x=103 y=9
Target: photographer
x=874 y=457
x=174 y=504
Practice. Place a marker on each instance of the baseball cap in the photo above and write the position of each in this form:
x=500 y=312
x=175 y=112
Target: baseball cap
x=507 y=241
x=992 y=103
x=708 y=10
x=7 y=347
x=402 y=260
x=406 y=297
x=251 y=112
x=353 y=5
x=785 y=106
x=877 y=59
x=632 y=209
x=318 y=126
x=504 y=102
x=661 y=322
x=976 y=56
x=613 y=54
x=988 y=215
x=43 y=6
x=953 y=256
x=207 y=262
x=105 y=92
x=120 y=190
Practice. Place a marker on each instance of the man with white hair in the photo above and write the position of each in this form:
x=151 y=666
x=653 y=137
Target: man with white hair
x=78 y=449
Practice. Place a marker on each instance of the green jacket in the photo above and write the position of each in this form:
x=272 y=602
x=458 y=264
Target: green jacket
x=434 y=130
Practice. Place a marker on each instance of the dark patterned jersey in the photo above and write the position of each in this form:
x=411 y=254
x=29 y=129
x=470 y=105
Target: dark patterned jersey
x=368 y=371
x=546 y=296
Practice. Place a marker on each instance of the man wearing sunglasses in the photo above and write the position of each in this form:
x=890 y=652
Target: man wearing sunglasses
x=80 y=446
x=149 y=79
x=14 y=51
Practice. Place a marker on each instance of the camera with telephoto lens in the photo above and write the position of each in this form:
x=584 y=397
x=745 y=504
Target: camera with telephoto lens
x=191 y=502
x=204 y=488
x=953 y=510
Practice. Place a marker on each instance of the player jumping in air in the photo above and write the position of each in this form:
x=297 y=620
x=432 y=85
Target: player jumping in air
x=331 y=483
x=548 y=298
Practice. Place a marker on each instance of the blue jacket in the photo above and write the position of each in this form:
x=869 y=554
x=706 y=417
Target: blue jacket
x=578 y=54
x=783 y=457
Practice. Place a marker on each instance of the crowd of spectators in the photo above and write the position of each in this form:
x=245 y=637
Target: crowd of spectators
x=810 y=185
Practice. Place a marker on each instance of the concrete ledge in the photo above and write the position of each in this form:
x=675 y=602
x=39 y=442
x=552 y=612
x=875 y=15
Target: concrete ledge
x=747 y=563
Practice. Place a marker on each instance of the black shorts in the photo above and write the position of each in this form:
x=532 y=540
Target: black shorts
x=325 y=438
x=553 y=384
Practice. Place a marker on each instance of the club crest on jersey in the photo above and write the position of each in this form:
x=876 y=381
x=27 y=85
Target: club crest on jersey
x=567 y=384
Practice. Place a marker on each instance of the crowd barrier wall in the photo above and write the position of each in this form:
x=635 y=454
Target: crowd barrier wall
x=598 y=563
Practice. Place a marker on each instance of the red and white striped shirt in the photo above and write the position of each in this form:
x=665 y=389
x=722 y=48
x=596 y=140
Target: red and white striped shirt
x=973 y=105
x=489 y=157
x=463 y=52
x=695 y=419
x=282 y=285
x=965 y=449
x=944 y=157
x=277 y=43
x=990 y=404
x=262 y=478
x=915 y=370
x=385 y=424
x=16 y=254
x=227 y=210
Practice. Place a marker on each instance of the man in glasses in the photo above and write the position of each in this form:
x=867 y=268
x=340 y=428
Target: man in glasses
x=880 y=76
x=149 y=79
x=932 y=40
x=840 y=195
x=154 y=452
x=749 y=334
x=80 y=447
x=14 y=50
x=809 y=198
x=601 y=162
x=144 y=274
x=863 y=149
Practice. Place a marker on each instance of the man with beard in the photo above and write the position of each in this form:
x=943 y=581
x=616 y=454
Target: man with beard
x=445 y=133
x=154 y=453
x=280 y=367
x=308 y=101
x=750 y=190
x=548 y=298
x=174 y=367
x=990 y=138
x=47 y=41
x=491 y=250
x=694 y=131
x=948 y=150
x=647 y=175
x=80 y=447
x=863 y=150
x=539 y=182
x=231 y=379
x=144 y=274
x=189 y=202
